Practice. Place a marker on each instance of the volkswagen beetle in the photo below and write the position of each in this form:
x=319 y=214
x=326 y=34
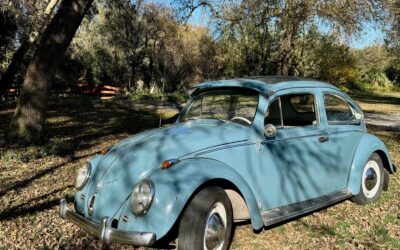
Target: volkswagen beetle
x=264 y=149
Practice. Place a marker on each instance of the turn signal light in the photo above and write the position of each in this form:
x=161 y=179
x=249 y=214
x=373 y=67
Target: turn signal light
x=104 y=151
x=169 y=163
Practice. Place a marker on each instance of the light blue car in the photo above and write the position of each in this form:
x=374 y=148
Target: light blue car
x=264 y=149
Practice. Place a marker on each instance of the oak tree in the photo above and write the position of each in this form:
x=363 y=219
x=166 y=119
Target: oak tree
x=28 y=120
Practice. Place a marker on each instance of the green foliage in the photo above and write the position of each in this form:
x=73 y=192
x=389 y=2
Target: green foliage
x=8 y=28
x=376 y=77
x=393 y=41
x=17 y=20
x=322 y=57
x=373 y=64
x=144 y=47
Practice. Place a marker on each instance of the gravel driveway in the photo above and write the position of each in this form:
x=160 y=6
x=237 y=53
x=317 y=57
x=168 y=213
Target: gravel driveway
x=386 y=121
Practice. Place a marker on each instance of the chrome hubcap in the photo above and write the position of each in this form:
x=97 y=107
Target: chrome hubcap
x=371 y=179
x=215 y=228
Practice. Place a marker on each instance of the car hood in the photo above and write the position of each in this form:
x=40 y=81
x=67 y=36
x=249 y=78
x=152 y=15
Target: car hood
x=136 y=157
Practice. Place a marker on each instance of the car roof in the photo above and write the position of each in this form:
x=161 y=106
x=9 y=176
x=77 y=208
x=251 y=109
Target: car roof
x=264 y=84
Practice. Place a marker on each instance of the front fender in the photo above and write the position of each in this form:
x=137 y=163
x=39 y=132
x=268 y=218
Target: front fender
x=367 y=145
x=176 y=185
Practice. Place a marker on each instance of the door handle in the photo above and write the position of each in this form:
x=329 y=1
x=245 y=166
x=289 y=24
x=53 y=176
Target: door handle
x=323 y=139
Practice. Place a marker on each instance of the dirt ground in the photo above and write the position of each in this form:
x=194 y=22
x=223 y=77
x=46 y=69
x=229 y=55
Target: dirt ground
x=33 y=179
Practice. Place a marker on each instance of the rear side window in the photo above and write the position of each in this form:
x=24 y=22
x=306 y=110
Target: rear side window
x=338 y=111
x=292 y=111
x=302 y=103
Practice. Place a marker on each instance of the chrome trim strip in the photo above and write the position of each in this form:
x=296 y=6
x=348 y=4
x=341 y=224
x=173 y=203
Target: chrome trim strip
x=288 y=212
x=223 y=147
x=293 y=138
x=210 y=148
x=104 y=232
x=280 y=111
x=125 y=219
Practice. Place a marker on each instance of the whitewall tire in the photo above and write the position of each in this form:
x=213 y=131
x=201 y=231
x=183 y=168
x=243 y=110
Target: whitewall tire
x=372 y=179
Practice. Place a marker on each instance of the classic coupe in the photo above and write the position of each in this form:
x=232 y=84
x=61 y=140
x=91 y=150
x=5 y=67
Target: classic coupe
x=263 y=149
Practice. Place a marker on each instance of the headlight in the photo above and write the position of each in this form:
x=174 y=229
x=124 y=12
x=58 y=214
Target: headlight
x=83 y=175
x=142 y=197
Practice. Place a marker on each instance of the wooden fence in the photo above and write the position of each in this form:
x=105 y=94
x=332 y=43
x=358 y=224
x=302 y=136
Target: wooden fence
x=103 y=91
x=108 y=91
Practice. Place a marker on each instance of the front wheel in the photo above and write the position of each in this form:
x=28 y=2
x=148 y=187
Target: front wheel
x=207 y=221
x=372 y=180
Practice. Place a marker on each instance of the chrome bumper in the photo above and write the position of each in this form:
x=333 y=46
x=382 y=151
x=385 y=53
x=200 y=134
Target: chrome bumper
x=105 y=233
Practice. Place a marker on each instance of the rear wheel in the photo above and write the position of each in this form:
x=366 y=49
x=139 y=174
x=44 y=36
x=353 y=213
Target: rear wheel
x=207 y=221
x=372 y=180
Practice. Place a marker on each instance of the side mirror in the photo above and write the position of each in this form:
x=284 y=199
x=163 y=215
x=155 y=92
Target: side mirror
x=270 y=130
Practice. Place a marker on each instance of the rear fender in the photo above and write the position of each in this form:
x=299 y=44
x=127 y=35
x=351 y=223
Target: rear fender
x=367 y=146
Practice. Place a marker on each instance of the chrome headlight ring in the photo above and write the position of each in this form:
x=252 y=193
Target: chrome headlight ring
x=83 y=175
x=142 y=197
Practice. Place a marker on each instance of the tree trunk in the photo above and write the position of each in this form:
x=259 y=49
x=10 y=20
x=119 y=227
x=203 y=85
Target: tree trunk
x=293 y=18
x=21 y=57
x=27 y=123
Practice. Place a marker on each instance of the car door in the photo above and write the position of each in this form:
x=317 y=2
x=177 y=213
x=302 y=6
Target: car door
x=344 y=130
x=292 y=166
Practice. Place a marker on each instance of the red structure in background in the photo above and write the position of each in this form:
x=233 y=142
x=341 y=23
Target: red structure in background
x=104 y=91
x=10 y=94
x=108 y=91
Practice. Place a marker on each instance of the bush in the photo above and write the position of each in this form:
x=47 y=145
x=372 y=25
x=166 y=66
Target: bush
x=374 y=80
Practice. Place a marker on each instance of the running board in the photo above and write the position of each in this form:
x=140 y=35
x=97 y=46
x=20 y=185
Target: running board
x=288 y=212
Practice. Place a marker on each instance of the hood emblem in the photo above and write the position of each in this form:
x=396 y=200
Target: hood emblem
x=91 y=204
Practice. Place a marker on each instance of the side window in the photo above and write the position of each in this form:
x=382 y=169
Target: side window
x=292 y=111
x=273 y=115
x=338 y=110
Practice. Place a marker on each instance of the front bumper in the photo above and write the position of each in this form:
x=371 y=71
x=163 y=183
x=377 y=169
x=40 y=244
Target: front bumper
x=104 y=232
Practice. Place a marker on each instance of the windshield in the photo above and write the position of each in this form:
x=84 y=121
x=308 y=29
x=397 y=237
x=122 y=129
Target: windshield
x=226 y=105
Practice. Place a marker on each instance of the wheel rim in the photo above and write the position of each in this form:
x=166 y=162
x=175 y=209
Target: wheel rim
x=371 y=179
x=215 y=228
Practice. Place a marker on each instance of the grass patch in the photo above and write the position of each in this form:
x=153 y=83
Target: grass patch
x=381 y=103
x=155 y=97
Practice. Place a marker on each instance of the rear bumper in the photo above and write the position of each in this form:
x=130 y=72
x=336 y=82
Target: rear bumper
x=104 y=232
